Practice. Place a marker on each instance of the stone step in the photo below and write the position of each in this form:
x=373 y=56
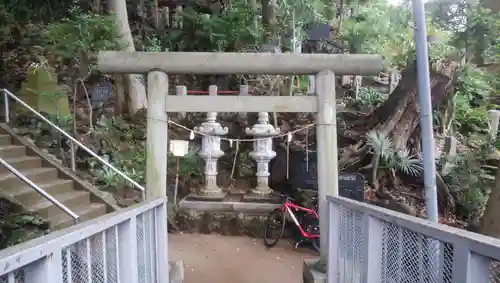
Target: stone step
x=12 y=151
x=48 y=174
x=47 y=209
x=5 y=140
x=10 y=181
x=29 y=196
x=84 y=211
x=24 y=162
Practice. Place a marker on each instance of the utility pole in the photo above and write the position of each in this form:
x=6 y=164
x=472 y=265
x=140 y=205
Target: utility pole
x=424 y=89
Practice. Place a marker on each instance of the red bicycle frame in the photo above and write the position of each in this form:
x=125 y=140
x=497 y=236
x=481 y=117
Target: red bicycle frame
x=288 y=206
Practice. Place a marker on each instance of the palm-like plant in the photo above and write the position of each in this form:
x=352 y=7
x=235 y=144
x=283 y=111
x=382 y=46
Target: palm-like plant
x=390 y=159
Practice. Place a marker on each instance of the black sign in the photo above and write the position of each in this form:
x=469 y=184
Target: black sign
x=352 y=186
x=303 y=170
x=304 y=173
x=318 y=32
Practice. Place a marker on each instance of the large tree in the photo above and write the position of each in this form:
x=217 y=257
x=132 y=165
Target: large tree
x=137 y=98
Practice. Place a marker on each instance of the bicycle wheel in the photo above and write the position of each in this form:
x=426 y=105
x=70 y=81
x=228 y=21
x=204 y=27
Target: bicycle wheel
x=274 y=228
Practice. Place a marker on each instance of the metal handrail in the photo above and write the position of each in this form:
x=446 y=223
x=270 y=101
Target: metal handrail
x=39 y=190
x=8 y=94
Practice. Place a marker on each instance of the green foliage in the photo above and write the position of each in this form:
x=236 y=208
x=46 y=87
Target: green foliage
x=16 y=228
x=473 y=92
x=367 y=96
x=478 y=34
x=231 y=30
x=468 y=183
x=64 y=122
x=294 y=15
x=391 y=159
x=475 y=35
x=381 y=28
x=189 y=164
x=123 y=145
x=81 y=34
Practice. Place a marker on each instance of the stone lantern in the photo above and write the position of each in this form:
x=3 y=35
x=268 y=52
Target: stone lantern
x=262 y=153
x=210 y=152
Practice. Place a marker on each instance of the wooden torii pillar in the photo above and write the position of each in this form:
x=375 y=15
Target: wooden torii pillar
x=325 y=66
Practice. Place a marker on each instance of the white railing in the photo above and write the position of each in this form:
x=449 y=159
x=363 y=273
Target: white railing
x=128 y=246
x=376 y=245
x=74 y=142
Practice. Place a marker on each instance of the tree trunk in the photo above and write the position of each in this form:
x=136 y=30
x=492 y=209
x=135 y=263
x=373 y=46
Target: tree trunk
x=399 y=118
x=137 y=98
x=399 y=115
x=269 y=8
x=490 y=222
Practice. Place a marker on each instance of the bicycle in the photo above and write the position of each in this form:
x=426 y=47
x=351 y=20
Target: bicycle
x=307 y=222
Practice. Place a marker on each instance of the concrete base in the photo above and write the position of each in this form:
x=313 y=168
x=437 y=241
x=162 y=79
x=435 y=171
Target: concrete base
x=216 y=197
x=310 y=274
x=226 y=206
x=176 y=271
x=252 y=197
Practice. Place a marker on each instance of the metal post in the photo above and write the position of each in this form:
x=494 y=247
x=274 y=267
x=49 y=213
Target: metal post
x=424 y=89
x=73 y=156
x=6 y=105
x=427 y=133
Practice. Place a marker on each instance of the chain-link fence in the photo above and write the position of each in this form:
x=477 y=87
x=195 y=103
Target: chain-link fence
x=109 y=249
x=406 y=249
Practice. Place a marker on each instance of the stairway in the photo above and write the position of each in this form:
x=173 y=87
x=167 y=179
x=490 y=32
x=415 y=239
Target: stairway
x=55 y=179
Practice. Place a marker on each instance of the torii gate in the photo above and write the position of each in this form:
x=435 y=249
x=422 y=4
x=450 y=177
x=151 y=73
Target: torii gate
x=325 y=66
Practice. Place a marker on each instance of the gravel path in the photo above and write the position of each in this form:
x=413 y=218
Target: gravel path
x=222 y=259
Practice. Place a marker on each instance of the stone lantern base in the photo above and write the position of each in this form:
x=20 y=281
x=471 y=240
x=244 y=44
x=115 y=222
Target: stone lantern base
x=255 y=195
x=203 y=195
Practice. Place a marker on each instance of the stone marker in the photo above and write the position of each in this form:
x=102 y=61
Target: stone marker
x=100 y=94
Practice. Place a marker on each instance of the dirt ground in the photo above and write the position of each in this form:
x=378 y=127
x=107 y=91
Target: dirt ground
x=222 y=259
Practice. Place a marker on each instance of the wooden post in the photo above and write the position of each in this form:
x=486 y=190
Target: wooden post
x=157 y=135
x=326 y=135
x=212 y=90
x=244 y=91
x=181 y=90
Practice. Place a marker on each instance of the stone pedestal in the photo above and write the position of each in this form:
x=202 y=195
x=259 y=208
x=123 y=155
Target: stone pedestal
x=312 y=275
x=262 y=154
x=211 y=152
x=449 y=151
x=176 y=271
